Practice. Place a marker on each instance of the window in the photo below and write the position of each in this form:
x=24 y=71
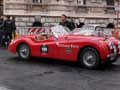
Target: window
x=110 y=2
x=110 y=9
x=37 y=1
x=81 y=2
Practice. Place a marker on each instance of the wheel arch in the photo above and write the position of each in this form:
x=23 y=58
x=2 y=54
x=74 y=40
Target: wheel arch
x=26 y=41
x=87 y=46
x=21 y=44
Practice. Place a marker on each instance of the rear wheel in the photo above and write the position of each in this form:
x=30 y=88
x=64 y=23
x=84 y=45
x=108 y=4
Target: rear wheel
x=23 y=51
x=89 y=58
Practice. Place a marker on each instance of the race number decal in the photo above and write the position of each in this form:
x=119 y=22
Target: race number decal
x=44 y=49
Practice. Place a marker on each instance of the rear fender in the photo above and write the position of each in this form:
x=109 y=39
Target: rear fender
x=26 y=41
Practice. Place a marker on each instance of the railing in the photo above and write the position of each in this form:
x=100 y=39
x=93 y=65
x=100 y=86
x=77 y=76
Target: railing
x=30 y=30
x=36 y=30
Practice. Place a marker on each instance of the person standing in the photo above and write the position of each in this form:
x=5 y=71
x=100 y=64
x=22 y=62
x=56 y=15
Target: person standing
x=1 y=29
x=37 y=22
x=111 y=24
x=66 y=23
x=8 y=28
x=81 y=23
x=72 y=24
x=14 y=27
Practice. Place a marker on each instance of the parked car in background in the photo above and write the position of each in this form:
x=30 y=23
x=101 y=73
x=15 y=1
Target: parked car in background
x=60 y=44
x=93 y=30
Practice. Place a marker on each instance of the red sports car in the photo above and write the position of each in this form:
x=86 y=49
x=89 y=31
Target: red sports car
x=57 y=43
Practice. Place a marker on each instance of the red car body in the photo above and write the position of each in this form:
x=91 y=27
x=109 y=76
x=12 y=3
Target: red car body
x=66 y=47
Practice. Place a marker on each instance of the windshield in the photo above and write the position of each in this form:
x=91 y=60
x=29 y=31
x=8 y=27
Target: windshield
x=85 y=30
x=88 y=27
x=59 y=31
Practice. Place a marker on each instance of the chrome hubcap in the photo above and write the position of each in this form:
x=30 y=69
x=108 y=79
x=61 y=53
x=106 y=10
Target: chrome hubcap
x=89 y=58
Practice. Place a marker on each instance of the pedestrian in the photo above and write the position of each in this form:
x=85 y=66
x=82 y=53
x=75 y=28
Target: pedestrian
x=8 y=28
x=72 y=24
x=110 y=24
x=14 y=27
x=37 y=22
x=1 y=30
x=66 y=23
x=80 y=24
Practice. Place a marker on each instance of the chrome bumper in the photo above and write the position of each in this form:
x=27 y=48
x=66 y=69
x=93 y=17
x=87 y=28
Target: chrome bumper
x=112 y=56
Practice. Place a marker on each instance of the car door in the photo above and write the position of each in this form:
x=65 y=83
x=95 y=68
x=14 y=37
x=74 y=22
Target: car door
x=47 y=48
x=64 y=49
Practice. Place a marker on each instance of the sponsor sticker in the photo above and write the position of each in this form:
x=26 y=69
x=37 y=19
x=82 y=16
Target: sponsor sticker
x=68 y=50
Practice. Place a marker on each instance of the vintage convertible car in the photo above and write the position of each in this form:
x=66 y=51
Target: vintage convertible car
x=59 y=43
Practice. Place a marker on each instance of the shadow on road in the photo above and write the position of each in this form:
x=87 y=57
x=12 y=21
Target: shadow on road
x=64 y=64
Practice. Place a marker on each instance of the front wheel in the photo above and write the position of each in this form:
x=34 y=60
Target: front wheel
x=23 y=51
x=89 y=58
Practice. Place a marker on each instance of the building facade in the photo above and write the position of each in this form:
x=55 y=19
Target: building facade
x=91 y=11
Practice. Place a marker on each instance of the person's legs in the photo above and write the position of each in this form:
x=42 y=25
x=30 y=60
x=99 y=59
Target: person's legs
x=1 y=38
x=4 y=38
x=14 y=34
x=10 y=36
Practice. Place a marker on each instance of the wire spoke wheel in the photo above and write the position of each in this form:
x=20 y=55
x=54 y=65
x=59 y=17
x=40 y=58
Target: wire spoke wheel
x=89 y=58
x=23 y=51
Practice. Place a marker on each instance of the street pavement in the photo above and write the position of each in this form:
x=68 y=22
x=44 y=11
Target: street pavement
x=47 y=74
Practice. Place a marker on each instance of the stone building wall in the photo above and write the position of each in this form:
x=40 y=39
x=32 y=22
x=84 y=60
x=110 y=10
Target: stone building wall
x=93 y=11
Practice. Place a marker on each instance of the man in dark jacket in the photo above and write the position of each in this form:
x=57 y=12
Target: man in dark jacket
x=80 y=25
x=66 y=23
x=37 y=23
x=1 y=29
x=8 y=28
x=110 y=25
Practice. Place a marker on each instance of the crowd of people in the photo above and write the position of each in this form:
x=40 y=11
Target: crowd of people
x=63 y=21
x=70 y=23
x=7 y=29
x=8 y=26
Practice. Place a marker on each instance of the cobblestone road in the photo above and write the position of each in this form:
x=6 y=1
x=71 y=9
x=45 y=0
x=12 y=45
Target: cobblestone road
x=40 y=74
